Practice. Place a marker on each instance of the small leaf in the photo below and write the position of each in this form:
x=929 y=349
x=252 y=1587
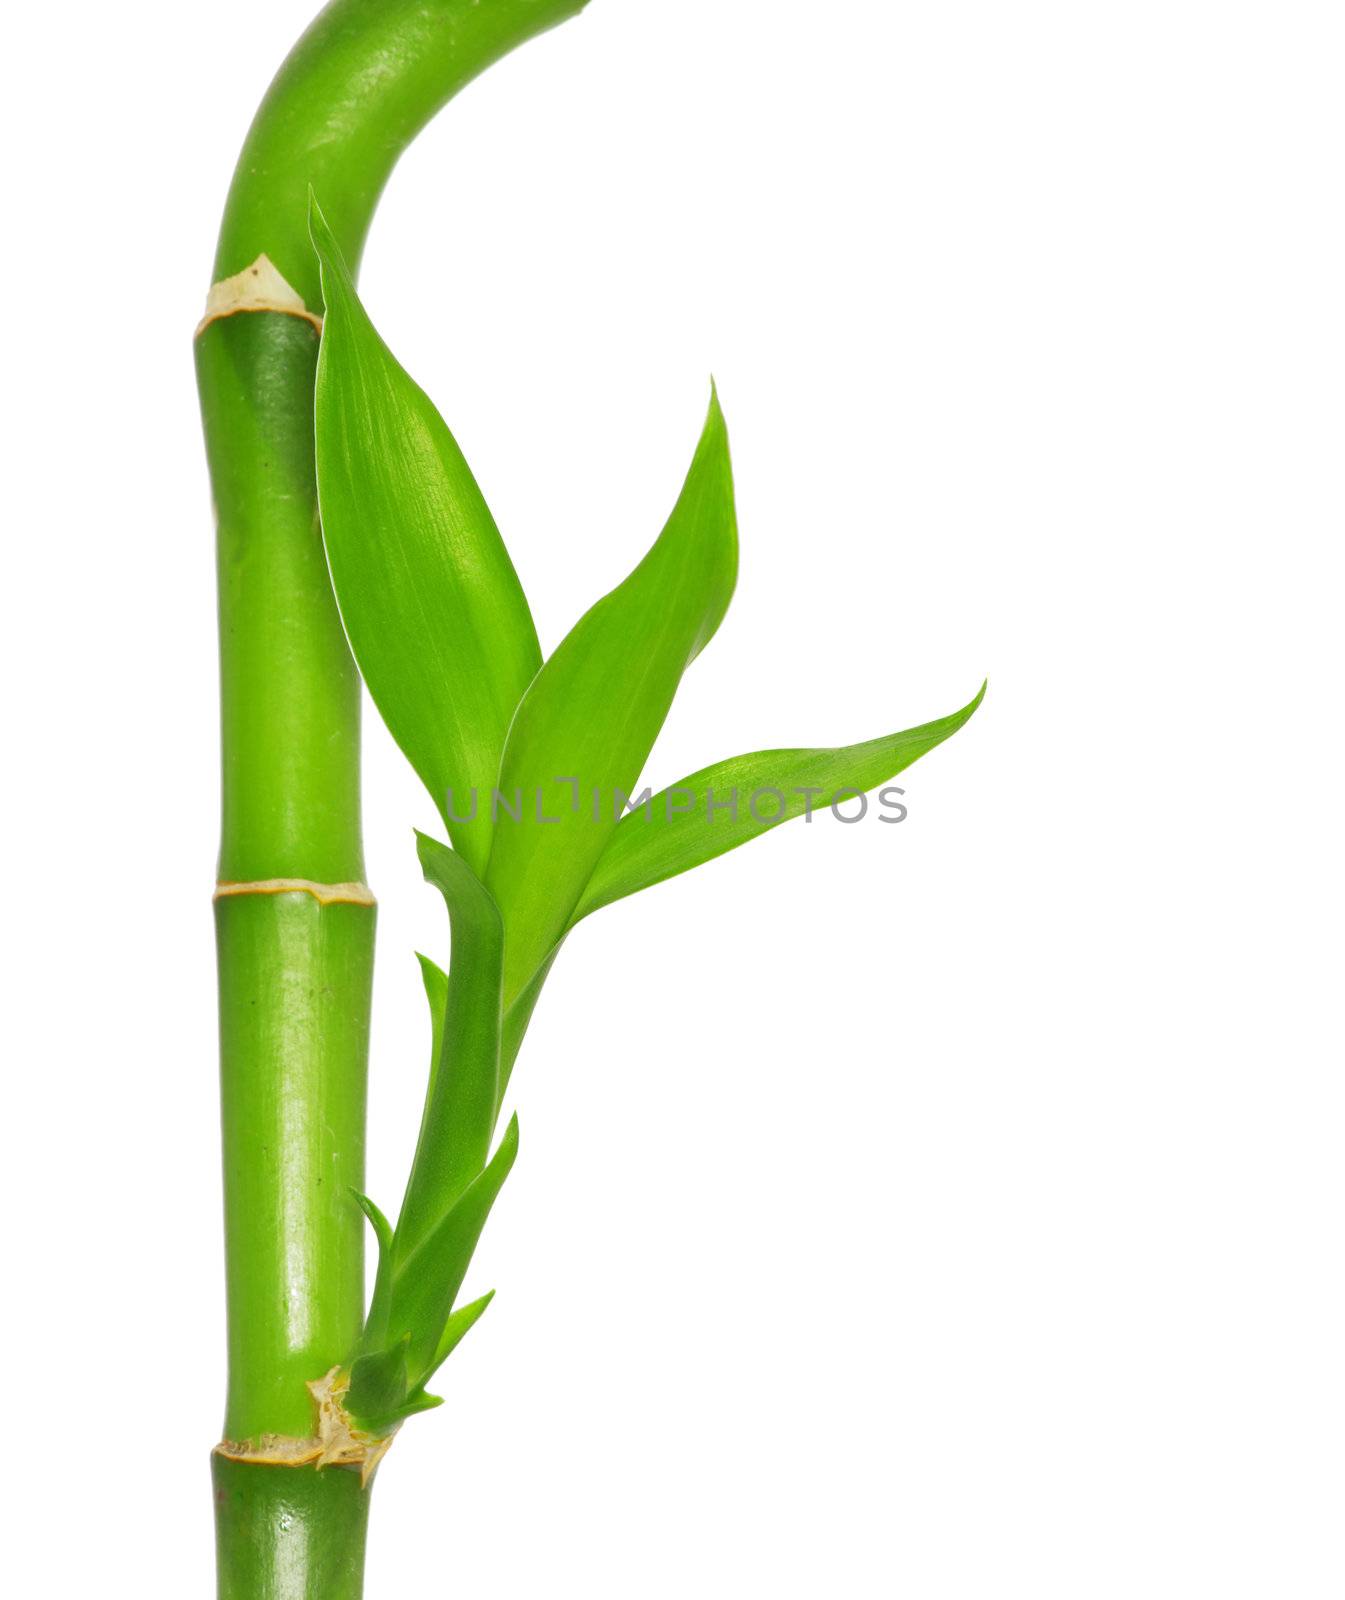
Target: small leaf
x=378 y=1384
x=458 y=1326
x=436 y=617
x=679 y=829
x=462 y=1100
x=427 y=1283
x=435 y=980
x=376 y=1323
x=590 y=717
x=415 y=1402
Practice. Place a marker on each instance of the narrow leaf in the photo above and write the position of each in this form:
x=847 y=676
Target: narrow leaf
x=723 y=806
x=456 y=1329
x=460 y=1106
x=427 y=1283
x=435 y=980
x=415 y=1402
x=436 y=617
x=376 y=1323
x=587 y=723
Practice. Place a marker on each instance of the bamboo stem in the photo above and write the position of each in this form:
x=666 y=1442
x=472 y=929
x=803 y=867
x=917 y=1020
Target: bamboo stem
x=294 y=1016
x=287 y=1531
x=295 y=965
x=294 y=975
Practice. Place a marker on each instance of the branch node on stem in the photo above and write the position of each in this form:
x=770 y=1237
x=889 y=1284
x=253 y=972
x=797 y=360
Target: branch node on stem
x=260 y=287
x=326 y=894
x=338 y=1442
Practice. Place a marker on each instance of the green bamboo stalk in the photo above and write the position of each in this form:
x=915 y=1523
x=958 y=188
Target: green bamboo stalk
x=295 y=963
x=282 y=1532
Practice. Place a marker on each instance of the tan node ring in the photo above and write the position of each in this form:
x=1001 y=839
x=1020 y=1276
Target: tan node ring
x=260 y=287
x=326 y=894
x=337 y=1442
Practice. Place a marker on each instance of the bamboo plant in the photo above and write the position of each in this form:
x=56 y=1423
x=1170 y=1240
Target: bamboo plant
x=533 y=763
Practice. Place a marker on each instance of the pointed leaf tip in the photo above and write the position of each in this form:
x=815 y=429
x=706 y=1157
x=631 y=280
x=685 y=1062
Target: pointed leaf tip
x=458 y=1326
x=375 y=1324
x=320 y=232
x=380 y=1224
x=594 y=710
x=667 y=839
x=415 y=1404
x=433 y=609
x=430 y=852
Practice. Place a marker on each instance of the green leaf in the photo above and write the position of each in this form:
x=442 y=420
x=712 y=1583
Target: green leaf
x=426 y=1284
x=380 y=1393
x=435 y=980
x=378 y=1385
x=590 y=717
x=376 y=1323
x=462 y=1100
x=415 y=1402
x=679 y=829
x=459 y=1325
x=519 y=1015
x=436 y=617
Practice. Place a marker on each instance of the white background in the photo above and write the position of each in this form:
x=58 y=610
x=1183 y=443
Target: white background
x=948 y=1211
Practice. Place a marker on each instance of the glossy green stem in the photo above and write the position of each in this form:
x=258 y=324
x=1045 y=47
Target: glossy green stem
x=286 y=1531
x=295 y=974
x=289 y=692
x=294 y=981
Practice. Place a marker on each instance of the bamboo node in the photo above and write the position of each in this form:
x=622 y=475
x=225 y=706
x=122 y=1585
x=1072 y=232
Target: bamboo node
x=260 y=287
x=326 y=894
x=338 y=1442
